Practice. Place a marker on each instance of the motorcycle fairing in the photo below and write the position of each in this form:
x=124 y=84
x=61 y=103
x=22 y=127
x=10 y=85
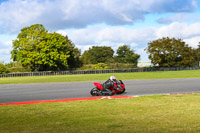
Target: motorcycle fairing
x=98 y=85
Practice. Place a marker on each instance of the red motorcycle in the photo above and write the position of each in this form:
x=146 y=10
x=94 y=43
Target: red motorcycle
x=98 y=90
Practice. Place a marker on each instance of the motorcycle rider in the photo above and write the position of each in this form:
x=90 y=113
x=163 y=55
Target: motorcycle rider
x=110 y=83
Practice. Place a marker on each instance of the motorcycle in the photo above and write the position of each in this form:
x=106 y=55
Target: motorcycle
x=99 y=90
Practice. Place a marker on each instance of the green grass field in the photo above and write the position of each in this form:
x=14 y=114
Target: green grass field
x=157 y=114
x=100 y=77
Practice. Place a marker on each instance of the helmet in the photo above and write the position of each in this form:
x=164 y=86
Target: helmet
x=112 y=78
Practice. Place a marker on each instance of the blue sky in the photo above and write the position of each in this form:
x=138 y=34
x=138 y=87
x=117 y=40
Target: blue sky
x=102 y=22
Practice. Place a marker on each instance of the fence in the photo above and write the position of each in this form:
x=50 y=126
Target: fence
x=74 y=72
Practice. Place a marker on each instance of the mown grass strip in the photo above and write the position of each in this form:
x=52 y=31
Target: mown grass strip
x=100 y=77
x=162 y=113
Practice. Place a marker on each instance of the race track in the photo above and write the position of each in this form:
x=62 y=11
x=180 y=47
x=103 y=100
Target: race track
x=65 y=90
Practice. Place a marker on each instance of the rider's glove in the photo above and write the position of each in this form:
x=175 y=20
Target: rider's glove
x=119 y=87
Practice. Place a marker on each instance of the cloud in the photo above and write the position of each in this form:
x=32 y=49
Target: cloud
x=137 y=38
x=112 y=36
x=173 y=6
x=95 y=35
x=179 y=17
x=179 y=30
x=60 y=14
x=6 y=47
x=87 y=22
x=193 y=41
x=16 y=14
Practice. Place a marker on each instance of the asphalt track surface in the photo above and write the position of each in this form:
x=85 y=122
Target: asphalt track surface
x=65 y=90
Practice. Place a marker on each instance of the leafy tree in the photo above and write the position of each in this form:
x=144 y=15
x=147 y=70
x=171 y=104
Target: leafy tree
x=40 y=50
x=98 y=54
x=3 y=68
x=126 y=55
x=74 y=59
x=198 y=54
x=85 y=58
x=173 y=52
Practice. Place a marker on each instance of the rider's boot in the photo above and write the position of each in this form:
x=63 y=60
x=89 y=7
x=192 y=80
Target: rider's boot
x=108 y=92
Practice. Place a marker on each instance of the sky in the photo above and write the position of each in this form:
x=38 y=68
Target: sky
x=111 y=23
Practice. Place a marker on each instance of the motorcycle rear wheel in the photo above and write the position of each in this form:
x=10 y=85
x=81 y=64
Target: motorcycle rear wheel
x=94 y=91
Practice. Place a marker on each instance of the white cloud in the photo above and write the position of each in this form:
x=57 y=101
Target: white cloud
x=179 y=17
x=137 y=38
x=16 y=14
x=113 y=37
x=95 y=35
x=99 y=22
x=5 y=55
x=192 y=30
x=143 y=54
x=61 y=14
x=5 y=44
x=5 y=49
x=179 y=30
x=193 y=41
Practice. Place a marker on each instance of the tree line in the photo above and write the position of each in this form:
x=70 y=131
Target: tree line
x=171 y=52
x=37 y=49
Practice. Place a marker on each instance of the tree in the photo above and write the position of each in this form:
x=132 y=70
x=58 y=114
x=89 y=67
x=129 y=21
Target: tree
x=40 y=50
x=74 y=59
x=126 y=55
x=198 y=55
x=98 y=54
x=3 y=68
x=85 y=58
x=173 y=52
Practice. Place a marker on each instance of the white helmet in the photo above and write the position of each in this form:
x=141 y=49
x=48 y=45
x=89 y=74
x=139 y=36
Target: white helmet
x=112 y=78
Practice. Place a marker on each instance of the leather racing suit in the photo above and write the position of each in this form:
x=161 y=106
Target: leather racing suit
x=106 y=85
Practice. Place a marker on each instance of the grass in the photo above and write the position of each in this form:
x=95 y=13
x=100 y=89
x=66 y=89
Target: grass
x=100 y=77
x=159 y=114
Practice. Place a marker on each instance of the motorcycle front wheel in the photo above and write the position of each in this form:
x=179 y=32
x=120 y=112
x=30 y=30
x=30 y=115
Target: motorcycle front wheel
x=94 y=91
x=122 y=91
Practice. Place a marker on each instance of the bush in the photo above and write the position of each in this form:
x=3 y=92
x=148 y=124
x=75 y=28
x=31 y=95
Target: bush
x=122 y=65
x=15 y=66
x=100 y=66
x=3 y=69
